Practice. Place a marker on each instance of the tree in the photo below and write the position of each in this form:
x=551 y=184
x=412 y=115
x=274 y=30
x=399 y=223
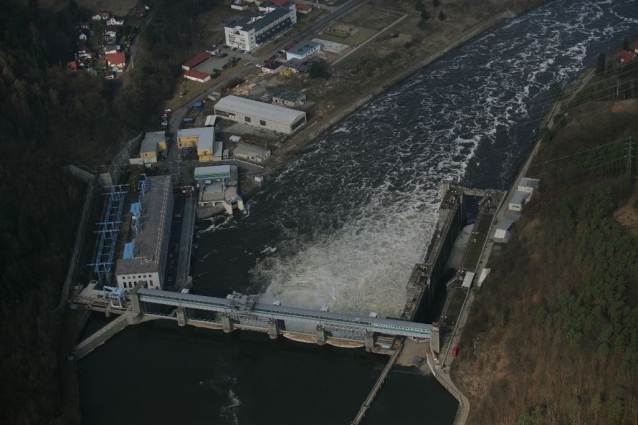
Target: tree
x=442 y=16
x=318 y=70
x=422 y=25
x=601 y=63
x=436 y=3
x=625 y=44
x=419 y=5
x=424 y=15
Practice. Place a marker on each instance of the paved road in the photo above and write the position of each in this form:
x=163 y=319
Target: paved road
x=177 y=115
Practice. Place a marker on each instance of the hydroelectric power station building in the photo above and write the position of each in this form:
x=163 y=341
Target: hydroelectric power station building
x=261 y=115
x=145 y=256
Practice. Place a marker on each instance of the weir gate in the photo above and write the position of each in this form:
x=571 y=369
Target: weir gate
x=245 y=312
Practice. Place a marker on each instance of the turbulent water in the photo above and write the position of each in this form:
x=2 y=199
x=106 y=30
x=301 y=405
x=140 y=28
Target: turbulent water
x=343 y=227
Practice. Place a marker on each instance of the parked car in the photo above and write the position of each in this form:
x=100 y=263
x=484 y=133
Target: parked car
x=223 y=55
x=217 y=71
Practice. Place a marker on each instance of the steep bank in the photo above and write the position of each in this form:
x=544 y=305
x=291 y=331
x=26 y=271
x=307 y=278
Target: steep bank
x=554 y=331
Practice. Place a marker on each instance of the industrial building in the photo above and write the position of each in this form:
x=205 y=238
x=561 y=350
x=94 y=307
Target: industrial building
x=526 y=184
x=253 y=31
x=218 y=187
x=251 y=153
x=200 y=138
x=518 y=200
x=145 y=256
x=200 y=77
x=153 y=144
x=261 y=115
x=288 y=98
x=303 y=50
x=197 y=60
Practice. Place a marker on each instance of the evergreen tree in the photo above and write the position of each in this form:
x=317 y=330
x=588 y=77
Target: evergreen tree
x=424 y=15
x=625 y=44
x=601 y=63
x=442 y=16
x=419 y=5
x=436 y=3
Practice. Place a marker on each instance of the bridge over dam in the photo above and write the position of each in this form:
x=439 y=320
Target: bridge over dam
x=246 y=312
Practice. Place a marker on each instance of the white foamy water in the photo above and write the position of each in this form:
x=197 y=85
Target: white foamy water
x=354 y=214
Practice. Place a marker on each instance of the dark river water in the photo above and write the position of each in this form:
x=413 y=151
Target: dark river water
x=342 y=228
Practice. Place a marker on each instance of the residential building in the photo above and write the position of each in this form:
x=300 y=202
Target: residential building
x=111 y=31
x=303 y=50
x=303 y=8
x=288 y=98
x=82 y=36
x=200 y=77
x=114 y=21
x=255 y=30
x=626 y=56
x=200 y=138
x=197 y=60
x=145 y=257
x=109 y=49
x=251 y=152
x=239 y=5
x=102 y=16
x=116 y=60
x=73 y=65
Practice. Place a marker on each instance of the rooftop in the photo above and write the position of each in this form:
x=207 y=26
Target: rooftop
x=527 y=182
x=304 y=47
x=205 y=136
x=256 y=109
x=519 y=197
x=197 y=60
x=289 y=95
x=148 y=241
x=260 y=20
x=150 y=141
x=196 y=74
x=214 y=172
x=246 y=149
x=116 y=58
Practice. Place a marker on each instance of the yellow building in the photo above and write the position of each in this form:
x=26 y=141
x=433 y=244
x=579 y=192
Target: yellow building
x=201 y=138
x=153 y=145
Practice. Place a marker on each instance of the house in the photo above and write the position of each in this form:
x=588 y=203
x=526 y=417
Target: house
x=288 y=98
x=303 y=8
x=102 y=16
x=85 y=25
x=213 y=50
x=111 y=30
x=251 y=152
x=116 y=60
x=141 y=12
x=114 y=21
x=200 y=77
x=626 y=56
x=82 y=36
x=109 y=49
x=303 y=50
x=197 y=60
x=73 y=65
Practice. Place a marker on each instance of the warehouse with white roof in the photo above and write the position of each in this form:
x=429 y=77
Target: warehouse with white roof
x=261 y=115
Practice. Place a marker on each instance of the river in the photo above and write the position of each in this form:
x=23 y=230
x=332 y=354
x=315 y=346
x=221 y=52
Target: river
x=343 y=227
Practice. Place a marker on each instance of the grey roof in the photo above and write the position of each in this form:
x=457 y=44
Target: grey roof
x=258 y=110
x=519 y=197
x=149 y=239
x=205 y=136
x=527 y=182
x=304 y=47
x=289 y=95
x=150 y=141
x=263 y=19
x=507 y=222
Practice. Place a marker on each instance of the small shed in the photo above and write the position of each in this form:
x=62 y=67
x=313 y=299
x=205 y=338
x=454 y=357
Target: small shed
x=467 y=280
x=518 y=200
x=198 y=105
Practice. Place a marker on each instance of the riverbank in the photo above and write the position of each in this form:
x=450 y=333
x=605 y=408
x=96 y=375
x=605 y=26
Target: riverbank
x=371 y=70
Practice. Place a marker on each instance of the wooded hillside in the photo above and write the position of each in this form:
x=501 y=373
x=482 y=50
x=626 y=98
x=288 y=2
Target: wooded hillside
x=553 y=334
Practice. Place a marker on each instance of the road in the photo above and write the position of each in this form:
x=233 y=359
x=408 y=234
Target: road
x=177 y=115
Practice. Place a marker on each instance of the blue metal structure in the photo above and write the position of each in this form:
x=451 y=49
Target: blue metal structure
x=109 y=230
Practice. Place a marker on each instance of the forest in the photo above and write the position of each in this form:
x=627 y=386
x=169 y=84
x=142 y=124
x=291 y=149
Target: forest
x=553 y=333
x=51 y=117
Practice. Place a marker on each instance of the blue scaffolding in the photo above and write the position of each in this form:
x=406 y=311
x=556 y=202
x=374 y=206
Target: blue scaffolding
x=109 y=231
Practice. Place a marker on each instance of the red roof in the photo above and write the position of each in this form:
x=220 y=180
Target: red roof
x=279 y=2
x=73 y=65
x=196 y=74
x=626 y=56
x=197 y=60
x=301 y=6
x=116 y=58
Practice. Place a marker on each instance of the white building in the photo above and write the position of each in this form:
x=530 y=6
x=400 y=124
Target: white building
x=528 y=185
x=261 y=115
x=518 y=200
x=256 y=30
x=251 y=153
x=303 y=50
x=145 y=257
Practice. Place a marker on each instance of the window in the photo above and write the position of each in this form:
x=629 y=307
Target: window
x=247 y=119
x=262 y=122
